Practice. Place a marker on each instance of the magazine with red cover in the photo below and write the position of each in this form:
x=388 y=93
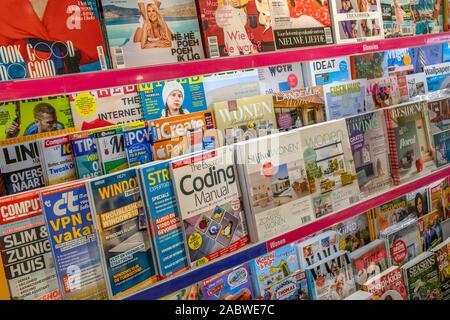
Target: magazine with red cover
x=232 y=28
x=387 y=285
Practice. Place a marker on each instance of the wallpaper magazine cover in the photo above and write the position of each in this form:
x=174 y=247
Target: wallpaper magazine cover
x=277 y=193
x=143 y=33
x=356 y=21
x=330 y=170
x=209 y=200
x=232 y=28
x=25 y=249
x=73 y=241
x=125 y=249
x=105 y=107
x=32 y=116
x=48 y=38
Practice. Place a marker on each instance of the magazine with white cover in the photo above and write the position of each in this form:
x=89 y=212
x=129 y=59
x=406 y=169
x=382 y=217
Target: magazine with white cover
x=325 y=71
x=317 y=248
x=273 y=175
x=209 y=199
x=344 y=99
x=283 y=77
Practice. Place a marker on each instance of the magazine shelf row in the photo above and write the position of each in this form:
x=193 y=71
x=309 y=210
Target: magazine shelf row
x=29 y=88
x=186 y=279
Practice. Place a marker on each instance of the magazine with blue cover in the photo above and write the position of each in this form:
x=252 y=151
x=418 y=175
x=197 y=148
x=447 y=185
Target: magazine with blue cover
x=124 y=246
x=84 y=150
x=163 y=216
x=137 y=143
x=442 y=144
x=438 y=76
x=161 y=99
x=73 y=241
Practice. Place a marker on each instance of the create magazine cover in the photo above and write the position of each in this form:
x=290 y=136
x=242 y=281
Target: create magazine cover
x=45 y=38
x=146 y=32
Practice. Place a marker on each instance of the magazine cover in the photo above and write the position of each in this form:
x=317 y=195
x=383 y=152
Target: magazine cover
x=410 y=141
x=442 y=252
x=73 y=241
x=86 y=159
x=438 y=76
x=20 y=166
x=370 y=150
x=143 y=33
x=427 y=56
x=430 y=230
x=294 y=287
x=439 y=113
x=353 y=233
x=326 y=71
x=232 y=28
x=137 y=143
x=25 y=249
x=330 y=169
x=32 y=116
x=382 y=92
x=369 y=261
x=421 y=277
x=387 y=285
x=344 y=99
x=360 y=295
x=317 y=248
x=163 y=217
x=416 y=84
x=272 y=268
x=169 y=98
x=369 y=65
x=245 y=119
x=282 y=77
x=209 y=200
x=442 y=145
x=57 y=159
x=234 y=284
x=193 y=292
x=398 y=18
x=438 y=195
x=403 y=241
x=299 y=107
x=356 y=21
x=111 y=150
x=275 y=186
x=4 y=290
x=48 y=38
x=234 y=84
x=332 y=278
x=125 y=249
x=105 y=107
x=301 y=23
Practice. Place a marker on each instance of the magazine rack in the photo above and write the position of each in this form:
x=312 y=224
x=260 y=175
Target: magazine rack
x=29 y=88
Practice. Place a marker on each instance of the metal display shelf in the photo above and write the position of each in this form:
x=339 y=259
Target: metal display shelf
x=29 y=88
x=163 y=288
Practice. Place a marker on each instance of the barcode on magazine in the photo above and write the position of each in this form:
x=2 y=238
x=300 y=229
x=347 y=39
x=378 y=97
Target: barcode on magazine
x=213 y=47
x=306 y=219
x=101 y=58
x=406 y=30
x=328 y=35
x=118 y=58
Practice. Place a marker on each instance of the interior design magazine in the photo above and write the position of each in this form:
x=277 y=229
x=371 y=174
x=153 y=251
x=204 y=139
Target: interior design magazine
x=73 y=241
x=299 y=107
x=143 y=33
x=209 y=200
x=345 y=98
x=275 y=185
x=49 y=38
x=354 y=233
x=25 y=249
x=235 y=28
x=382 y=93
x=282 y=77
x=330 y=170
x=105 y=107
x=125 y=249
x=326 y=71
x=32 y=116
x=356 y=21
x=370 y=150
x=438 y=76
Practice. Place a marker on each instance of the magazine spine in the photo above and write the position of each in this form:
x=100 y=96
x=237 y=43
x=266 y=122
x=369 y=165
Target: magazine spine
x=393 y=157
